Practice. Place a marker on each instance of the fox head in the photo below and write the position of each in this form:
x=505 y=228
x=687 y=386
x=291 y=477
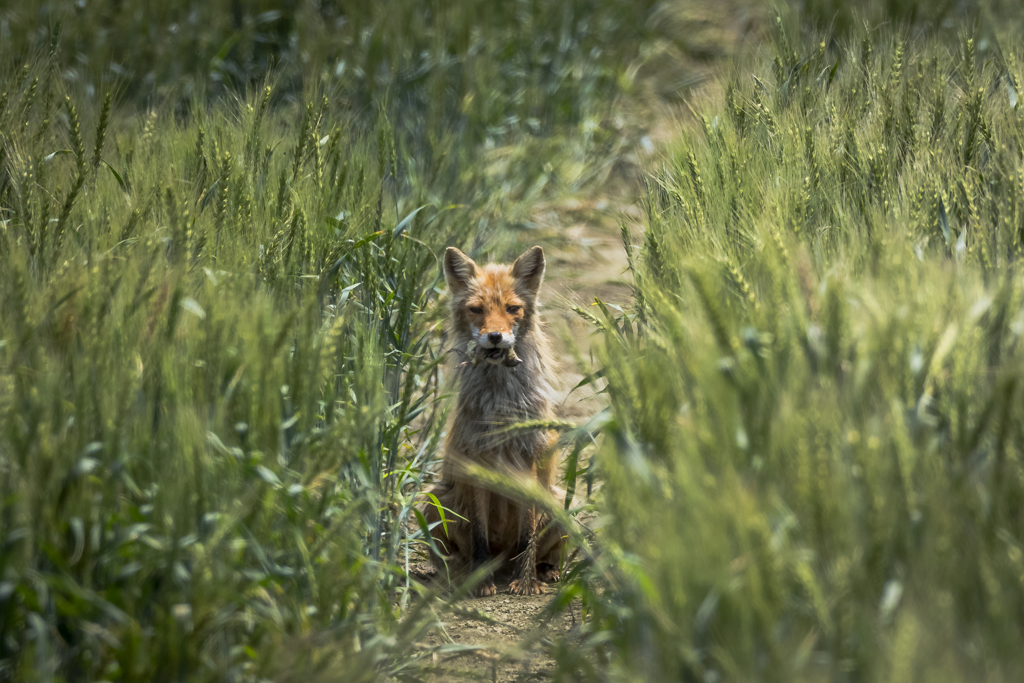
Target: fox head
x=493 y=304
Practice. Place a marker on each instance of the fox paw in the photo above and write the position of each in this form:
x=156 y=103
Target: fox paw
x=548 y=573
x=485 y=589
x=527 y=587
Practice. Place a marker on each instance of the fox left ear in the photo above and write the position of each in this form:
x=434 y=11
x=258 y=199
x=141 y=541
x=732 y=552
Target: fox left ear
x=528 y=270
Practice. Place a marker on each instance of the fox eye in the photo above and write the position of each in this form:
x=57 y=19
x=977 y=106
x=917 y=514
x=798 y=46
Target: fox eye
x=514 y=309
x=476 y=309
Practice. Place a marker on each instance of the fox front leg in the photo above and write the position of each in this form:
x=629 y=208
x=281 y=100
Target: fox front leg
x=480 y=540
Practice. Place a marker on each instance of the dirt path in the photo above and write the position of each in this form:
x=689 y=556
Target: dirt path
x=499 y=626
x=586 y=260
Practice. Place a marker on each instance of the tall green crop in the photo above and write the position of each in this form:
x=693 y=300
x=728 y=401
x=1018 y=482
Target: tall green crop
x=812 y=466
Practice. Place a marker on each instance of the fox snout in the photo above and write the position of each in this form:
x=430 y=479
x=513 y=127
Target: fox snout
x=495 y=340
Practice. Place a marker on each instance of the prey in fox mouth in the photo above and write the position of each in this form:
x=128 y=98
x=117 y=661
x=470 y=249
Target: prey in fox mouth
x=505 y=356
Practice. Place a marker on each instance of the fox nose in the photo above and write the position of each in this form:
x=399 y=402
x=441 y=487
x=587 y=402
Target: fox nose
x=494 y=337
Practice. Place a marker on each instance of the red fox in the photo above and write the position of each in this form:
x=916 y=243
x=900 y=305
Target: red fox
x=505 y=378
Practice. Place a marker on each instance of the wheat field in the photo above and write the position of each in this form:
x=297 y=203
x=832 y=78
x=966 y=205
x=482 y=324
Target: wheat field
x=223 y=379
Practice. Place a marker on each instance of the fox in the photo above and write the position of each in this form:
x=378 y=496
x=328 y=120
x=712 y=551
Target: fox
x=506 y=376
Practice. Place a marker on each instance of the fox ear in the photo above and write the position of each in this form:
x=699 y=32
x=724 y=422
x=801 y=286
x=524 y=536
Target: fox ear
x=459 y=269
x=528 y=270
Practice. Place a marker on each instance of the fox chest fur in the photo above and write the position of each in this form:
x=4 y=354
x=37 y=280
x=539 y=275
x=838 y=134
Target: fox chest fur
x=495 y=317
x=493 y=399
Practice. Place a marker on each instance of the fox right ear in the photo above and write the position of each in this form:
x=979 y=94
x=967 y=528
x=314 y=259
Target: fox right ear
x=459 y=270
